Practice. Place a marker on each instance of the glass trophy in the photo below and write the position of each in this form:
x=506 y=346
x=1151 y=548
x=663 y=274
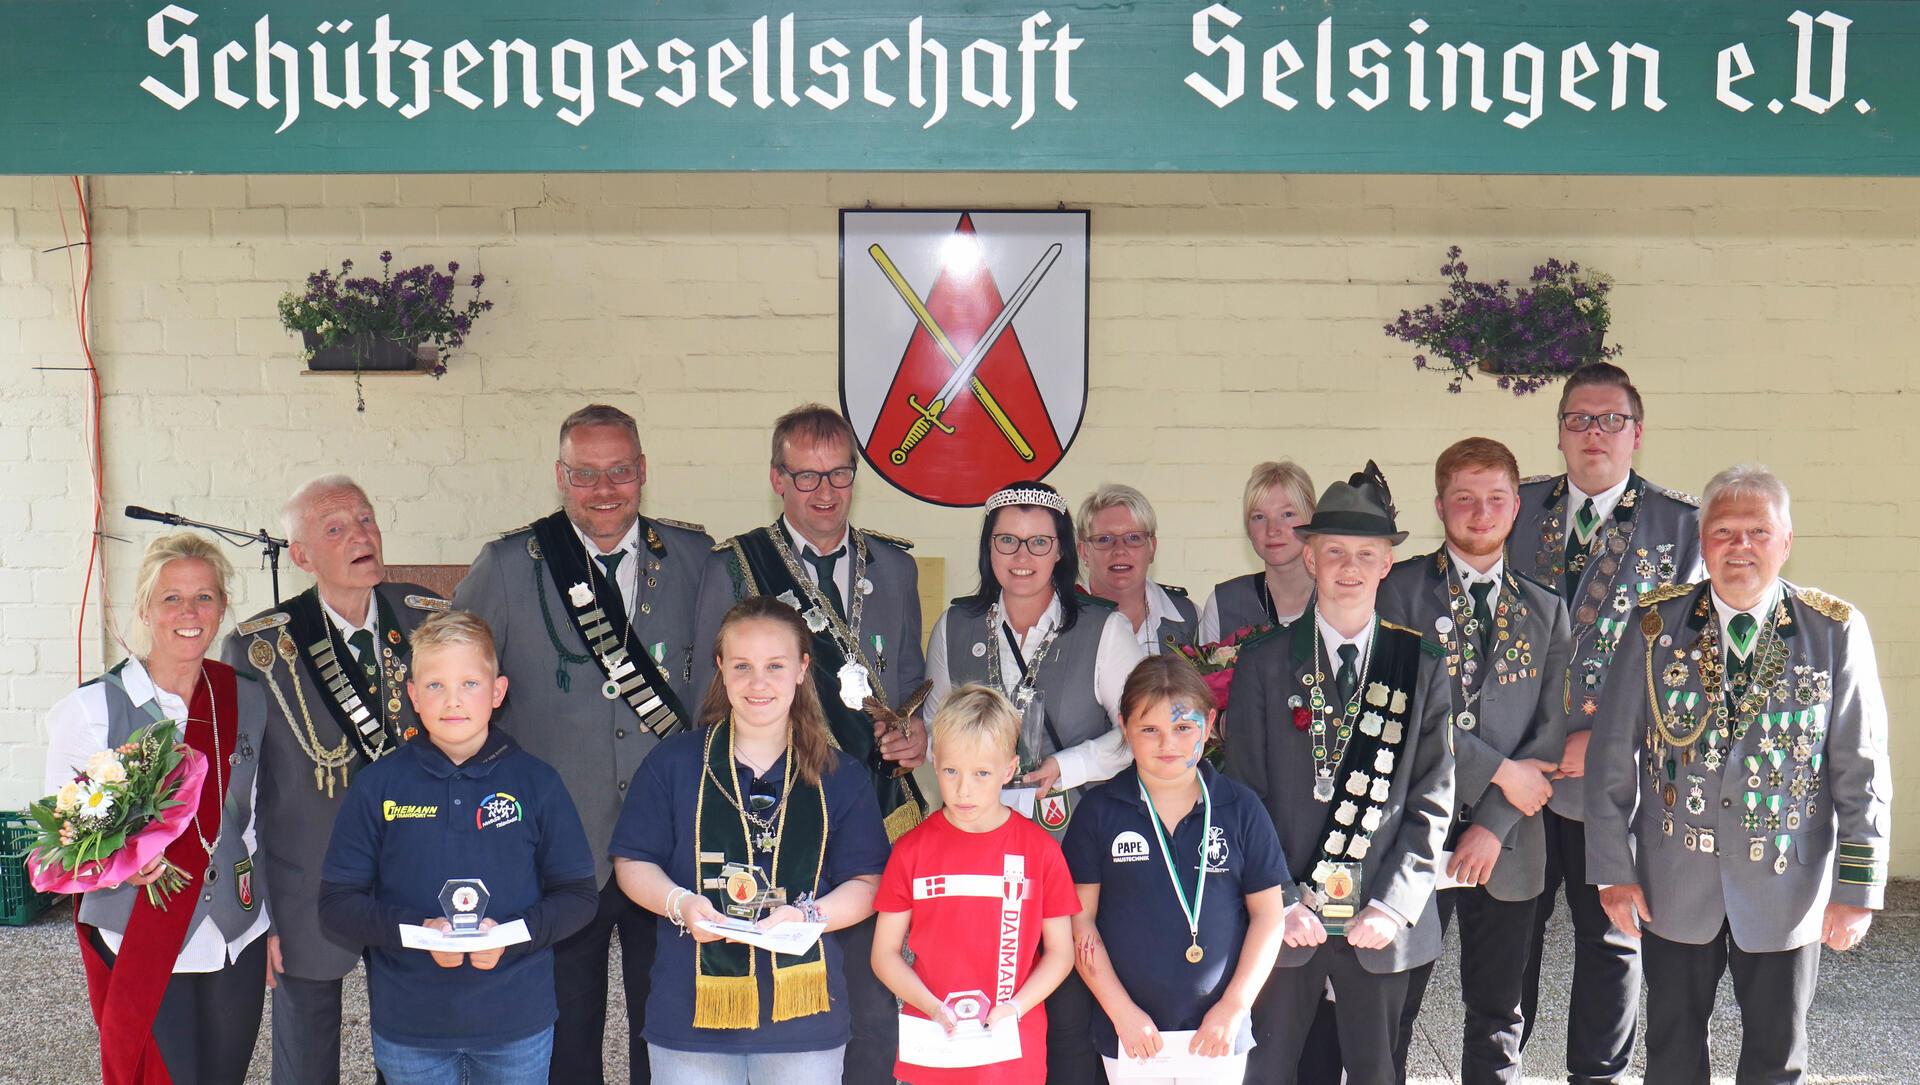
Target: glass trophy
x=1339 y=898
x=750 y=894
x=464 y=901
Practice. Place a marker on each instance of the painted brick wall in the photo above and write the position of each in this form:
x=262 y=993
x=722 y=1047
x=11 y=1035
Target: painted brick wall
x=1235 y=318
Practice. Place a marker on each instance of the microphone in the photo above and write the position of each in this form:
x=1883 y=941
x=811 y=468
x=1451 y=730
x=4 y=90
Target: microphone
x=137 y=512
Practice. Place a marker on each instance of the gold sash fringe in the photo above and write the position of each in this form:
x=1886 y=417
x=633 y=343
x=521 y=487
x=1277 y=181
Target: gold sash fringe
x=731 y=1001
x=799 y=990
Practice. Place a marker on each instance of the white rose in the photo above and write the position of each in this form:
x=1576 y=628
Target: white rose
x=67 y=799
x=105 y=768
x=1224 y=656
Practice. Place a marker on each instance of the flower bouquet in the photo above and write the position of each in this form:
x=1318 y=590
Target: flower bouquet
x=1215 y=662
x=119 y=813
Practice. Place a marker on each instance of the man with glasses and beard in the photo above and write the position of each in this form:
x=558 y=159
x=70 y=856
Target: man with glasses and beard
x=859 y=593
x=592 y=611
x=1602 y=536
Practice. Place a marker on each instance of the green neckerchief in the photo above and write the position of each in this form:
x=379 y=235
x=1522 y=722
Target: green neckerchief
x=726 y=992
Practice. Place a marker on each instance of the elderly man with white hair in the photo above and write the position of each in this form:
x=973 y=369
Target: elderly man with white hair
x=1739 y=814
x=334 y=660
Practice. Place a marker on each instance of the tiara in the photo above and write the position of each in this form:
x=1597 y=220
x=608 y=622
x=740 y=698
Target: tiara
x=1046 y=499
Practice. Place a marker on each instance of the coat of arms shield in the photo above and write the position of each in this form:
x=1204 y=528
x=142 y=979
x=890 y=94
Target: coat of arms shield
x=963 y=345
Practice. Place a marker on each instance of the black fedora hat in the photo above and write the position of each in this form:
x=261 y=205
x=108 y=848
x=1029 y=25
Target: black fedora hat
x=1361 y=506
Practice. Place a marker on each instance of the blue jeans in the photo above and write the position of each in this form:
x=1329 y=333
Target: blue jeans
x=516 y=1062
x=672 y=1067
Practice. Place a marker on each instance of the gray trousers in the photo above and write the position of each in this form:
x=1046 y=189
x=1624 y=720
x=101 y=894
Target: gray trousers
x=1366 y=1013
x=306 y=1031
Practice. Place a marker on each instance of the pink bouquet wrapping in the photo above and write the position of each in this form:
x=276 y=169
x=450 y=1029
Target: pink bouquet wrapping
x=120 y=812
x=1215 y=662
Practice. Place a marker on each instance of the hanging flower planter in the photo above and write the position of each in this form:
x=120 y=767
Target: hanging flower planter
x=1525 y=338
x=402 y=321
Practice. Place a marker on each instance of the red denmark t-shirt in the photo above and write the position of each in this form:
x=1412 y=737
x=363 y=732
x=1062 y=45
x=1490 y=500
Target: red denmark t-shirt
x=956 y=884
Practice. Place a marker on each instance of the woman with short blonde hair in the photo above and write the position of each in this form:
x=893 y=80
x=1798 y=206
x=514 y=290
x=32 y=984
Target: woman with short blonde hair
x=1278 y=496
x=176 y=989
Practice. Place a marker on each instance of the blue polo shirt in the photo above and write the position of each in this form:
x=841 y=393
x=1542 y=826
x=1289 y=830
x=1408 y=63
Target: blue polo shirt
x=1111 y=844
x=411 y=821
x=656 y=826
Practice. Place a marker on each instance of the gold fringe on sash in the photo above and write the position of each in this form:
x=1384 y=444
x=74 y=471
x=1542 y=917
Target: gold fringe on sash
x=799 y=990
x=902 y=820
x=734 y=1001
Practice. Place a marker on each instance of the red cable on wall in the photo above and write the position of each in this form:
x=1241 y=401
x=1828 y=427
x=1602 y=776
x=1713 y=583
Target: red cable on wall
x=96 y=460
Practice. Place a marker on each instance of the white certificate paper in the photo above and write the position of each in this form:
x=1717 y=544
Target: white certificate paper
x=793 y=938
x=1446 y=880
x=1021 y=800
x=925 y=1043
x=1174 y=1060
x=501 y=936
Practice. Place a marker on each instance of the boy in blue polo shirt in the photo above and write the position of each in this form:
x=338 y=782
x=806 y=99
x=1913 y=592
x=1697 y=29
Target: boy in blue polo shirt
x=1180 y=867
x=466 y=803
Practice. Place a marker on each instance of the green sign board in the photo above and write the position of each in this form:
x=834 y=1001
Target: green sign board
x=1372 y=86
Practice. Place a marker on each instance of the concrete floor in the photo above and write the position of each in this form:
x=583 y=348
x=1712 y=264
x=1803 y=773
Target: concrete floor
x=1865 y=1022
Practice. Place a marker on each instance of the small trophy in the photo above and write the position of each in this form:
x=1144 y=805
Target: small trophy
x=464 y=900
x=967 y=1008
x=897 y=717
x=1338 y=896
x=749 y=894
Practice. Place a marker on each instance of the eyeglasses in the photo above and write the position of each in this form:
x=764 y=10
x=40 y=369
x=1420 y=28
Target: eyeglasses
x=1611 y=422
x=1134 y=540
x=619 y=474
x=808 y=481
x=1039 y=545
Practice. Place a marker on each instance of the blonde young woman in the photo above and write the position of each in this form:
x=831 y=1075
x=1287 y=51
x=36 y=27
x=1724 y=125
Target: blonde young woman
x=1278 y=496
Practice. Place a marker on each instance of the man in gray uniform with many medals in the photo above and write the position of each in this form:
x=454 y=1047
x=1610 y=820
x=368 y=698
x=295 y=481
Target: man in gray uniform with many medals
x=1603 y=537
x=1342 y=730
x=1738 y=811
x=592 y=609
x=1507 y=642
x=859 y=592
x=334 y=662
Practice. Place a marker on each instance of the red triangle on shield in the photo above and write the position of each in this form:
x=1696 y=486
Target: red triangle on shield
x=966 y=466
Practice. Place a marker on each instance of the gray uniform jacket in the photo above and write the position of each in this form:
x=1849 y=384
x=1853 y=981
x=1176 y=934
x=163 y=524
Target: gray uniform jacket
x=1520 y=710
x=594 y=742
x=229 y=898
x=889 y=619
x=296 y=815
x=1268 y=753
x=1811 y=754
x=1182 y=630
x=1651 y=540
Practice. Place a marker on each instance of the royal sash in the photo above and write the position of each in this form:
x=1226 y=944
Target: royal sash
x=766 y=573
x=594 y=607
x=355 y=705
x=1392 y=680
x=126 y=994
x=726 y=990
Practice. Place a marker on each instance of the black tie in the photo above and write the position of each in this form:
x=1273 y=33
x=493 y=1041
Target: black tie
x=610 y=563
x=362 y=641
x=1346 y=680
x=823 y=565
x=1481 y=614
x=1584 y=522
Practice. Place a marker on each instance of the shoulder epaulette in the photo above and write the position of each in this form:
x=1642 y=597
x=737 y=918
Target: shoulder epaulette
x=1432 y=647
x=1531 y=479
x=1521 y=574
x=904 y=544
x=1665 y=592
x=1385 y=624
x=248 y=675
x=512 y=531
x=722 y=545
x=1836 y=609
x=428 y=602
x=270 y=620
x=1678 y=495
x=681 y=524
x=1086 y=596
x=1174 y=589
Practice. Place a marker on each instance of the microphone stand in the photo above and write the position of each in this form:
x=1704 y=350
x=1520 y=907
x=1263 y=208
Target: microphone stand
x=270 y=545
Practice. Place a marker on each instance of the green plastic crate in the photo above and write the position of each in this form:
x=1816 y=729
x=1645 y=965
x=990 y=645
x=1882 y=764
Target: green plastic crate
x=20 y=903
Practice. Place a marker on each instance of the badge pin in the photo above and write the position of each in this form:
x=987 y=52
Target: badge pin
x=979 y=649
x=580 y=594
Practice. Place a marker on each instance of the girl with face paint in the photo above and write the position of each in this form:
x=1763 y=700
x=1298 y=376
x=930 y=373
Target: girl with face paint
x=1182 y=866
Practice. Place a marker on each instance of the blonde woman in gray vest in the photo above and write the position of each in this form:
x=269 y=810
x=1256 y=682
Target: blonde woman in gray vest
x=176 y=991
x=1279 y=494
x=1063 y=658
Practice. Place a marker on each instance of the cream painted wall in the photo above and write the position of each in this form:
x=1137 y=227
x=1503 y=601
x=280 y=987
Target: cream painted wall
x=1235 y=318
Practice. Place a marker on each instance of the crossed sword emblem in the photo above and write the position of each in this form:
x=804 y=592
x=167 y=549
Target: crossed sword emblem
x=963 y=367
